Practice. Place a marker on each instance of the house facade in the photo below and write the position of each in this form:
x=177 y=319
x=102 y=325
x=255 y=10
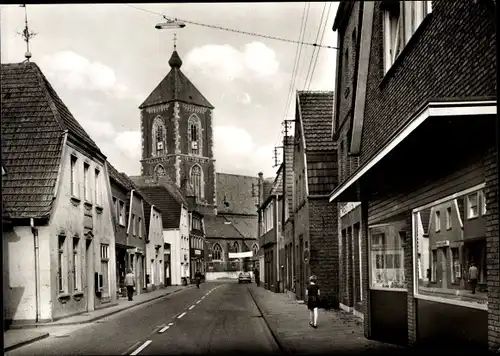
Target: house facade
x=130 y=229
x=270 y=232
x=60 y=228
x=287 y=251
x=164 y=194
x=315 y=220
x=416 y=98
x=196 y=244
x=155 y=246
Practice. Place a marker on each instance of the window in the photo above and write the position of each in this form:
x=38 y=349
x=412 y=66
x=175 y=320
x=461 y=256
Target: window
x=401 y=20
x=217 y=252
x=159 y=136
x=61 y=265
x=473 y=205
x=86 y=186
x=236 y=247
x=105 y=270
x=437 y=221
x=77 y=269
x=448 y=218
x=159 y=171
x=194 y=135
x=74 y=184
x=115 y=206
x=483 y=202
x=196 y=181
x=139 y=227
x=97 y=183
x=196 y=223
x=133 y=225
x=387 y=256
x=255 y=249
x=121 y=211
x=446 y=259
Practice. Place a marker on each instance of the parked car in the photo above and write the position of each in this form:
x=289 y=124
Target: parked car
x=245 y=277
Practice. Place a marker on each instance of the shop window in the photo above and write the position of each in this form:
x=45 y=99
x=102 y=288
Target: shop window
x=387 y=256
x=448 y=259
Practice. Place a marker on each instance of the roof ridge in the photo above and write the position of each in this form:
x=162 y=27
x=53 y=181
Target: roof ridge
x=43 y=82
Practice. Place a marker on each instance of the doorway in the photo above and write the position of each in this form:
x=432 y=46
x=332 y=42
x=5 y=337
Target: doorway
x=89 y=273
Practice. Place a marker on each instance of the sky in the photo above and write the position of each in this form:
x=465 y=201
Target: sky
x=105 y=59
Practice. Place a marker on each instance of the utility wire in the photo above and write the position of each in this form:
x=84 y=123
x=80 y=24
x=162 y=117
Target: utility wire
x=321 y=40
x=295 y=66
x=232 y=30
x=316 y=40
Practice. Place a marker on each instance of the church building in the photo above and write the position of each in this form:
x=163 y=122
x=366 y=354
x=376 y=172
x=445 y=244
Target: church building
x=177 y=143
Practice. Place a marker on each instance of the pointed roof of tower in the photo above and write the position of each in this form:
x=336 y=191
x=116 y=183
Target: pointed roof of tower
x=176 y=87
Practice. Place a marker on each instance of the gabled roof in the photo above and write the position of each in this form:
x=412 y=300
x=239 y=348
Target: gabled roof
x=316 y=110
x=164 y=195
x=118 y=178
x=34 y=120
x=217 y=226
x=236 y=190
x=246 y=225
x=425 y=217
x=176 y=87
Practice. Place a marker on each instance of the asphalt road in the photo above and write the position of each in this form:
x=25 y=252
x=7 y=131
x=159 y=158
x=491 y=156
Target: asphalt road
x=217 y=318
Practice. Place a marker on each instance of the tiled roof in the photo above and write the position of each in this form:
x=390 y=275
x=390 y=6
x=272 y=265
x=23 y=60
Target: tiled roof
x=316 y=111
x=169 y=206
x=237 y=191
x=217 y=226
x=33 y=122
x=119 y=178
x=164 y=195
x=246 y=225
x=321 y=175
x=176 y=87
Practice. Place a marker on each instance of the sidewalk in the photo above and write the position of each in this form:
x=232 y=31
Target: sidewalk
x=338 y=332
x=19 y=335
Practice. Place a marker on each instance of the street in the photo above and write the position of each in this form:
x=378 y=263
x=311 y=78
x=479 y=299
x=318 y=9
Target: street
x=218 y=317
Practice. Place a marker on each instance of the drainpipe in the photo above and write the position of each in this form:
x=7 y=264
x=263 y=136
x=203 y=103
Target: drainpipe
x=34 y=230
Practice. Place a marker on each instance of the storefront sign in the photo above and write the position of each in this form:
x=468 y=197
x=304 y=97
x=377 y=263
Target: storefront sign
x=443 y=243
x=240 y=254
x=344 y=209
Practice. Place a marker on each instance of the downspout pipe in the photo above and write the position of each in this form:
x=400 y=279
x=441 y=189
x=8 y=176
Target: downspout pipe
x=34 y=231
x=277 y=244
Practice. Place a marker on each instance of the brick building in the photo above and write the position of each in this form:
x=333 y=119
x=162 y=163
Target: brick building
x=287 y=251
x=416 y=141
x=315 y=220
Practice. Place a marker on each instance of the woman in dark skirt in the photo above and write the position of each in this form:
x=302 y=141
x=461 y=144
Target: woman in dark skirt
x=312 y=293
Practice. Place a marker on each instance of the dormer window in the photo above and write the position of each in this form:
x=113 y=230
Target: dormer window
x=159 y=136
x=194 y=135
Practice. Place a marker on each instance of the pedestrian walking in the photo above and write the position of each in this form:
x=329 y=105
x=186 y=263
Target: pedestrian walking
x=312 y=294
x=197 y=277
x=130 y=284
x=256 y=273
x=473 y=274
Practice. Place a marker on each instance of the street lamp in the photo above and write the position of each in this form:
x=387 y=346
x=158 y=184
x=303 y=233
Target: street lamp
x=170 y=24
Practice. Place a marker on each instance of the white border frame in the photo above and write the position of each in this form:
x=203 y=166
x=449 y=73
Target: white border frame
x=370 y=287
x=436 y=299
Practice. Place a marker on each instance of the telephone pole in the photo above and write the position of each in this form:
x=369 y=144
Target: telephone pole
x=286 y=143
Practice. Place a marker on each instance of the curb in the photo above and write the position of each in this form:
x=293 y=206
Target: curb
x=34 y=326
x=26 y=342
x=281 y=346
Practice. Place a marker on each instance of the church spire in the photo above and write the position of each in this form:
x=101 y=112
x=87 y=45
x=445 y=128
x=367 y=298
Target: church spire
x=175 y=61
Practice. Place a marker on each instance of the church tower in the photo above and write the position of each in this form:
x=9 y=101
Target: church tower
x=177 y=137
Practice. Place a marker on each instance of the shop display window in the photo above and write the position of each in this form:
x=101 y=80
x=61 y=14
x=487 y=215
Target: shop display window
x=387 y=256
x=447 y=260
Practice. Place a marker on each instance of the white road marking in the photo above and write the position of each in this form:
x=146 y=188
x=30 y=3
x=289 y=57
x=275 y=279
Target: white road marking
x=191 y=307
x=180 y=316
x=198 y=302
x=142 y=347
x=170 y=324
x=164 y=329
